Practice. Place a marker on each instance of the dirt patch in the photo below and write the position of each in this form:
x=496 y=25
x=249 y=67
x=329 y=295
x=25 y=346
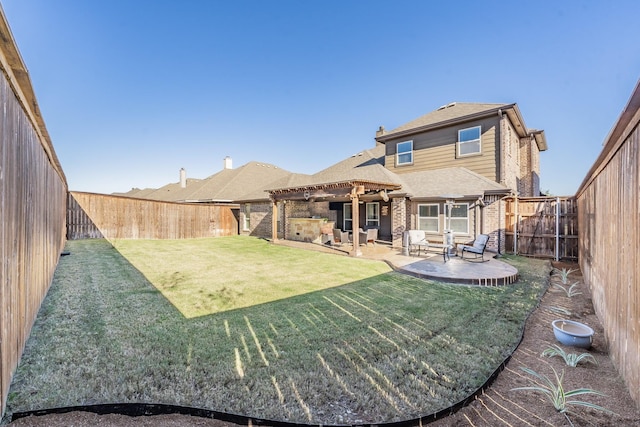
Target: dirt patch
x=500 y=405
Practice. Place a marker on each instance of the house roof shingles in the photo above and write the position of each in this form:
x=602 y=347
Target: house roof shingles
x=436 y=183
x=456 y=111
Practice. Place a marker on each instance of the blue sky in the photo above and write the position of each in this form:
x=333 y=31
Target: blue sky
x=132 y=91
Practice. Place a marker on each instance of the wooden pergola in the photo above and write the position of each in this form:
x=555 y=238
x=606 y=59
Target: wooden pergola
x=352 y=189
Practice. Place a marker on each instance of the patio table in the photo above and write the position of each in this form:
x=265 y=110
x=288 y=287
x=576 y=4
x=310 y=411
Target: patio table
x=445 y=249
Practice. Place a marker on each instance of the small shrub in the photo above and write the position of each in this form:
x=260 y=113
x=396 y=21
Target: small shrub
x=560 y=310
x=570 y=291
x=570 y=359
x=564 y=274
x=557 y=396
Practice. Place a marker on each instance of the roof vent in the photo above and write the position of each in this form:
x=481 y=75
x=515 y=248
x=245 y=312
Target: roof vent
x=451 y=104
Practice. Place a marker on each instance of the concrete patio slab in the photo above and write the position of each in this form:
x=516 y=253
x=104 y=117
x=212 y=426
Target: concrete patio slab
x=492 y=272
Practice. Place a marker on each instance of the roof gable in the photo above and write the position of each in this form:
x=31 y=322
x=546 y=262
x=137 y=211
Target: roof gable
x=460 y=112
x=447 y=114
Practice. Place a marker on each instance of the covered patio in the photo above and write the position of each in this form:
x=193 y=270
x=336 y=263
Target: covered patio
x=351 y=192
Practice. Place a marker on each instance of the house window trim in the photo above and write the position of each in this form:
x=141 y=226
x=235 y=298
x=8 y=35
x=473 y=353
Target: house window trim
x=468 y=217
x=437 y=217
x=366 y=217
x=347 y=207
x=479 y=141
x=410 y=152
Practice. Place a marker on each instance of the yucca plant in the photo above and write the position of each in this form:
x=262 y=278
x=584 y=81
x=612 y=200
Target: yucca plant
x=559 y=310
x=564 y=274
x=571 y=359
x=570 y=291
x=555 y=393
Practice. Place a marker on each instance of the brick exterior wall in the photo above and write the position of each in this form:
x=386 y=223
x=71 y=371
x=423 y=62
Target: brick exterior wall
x=259 y=219
x=510 y=172
x=525 y=187
x=530 y=170
x=520 y=161
x=493 y=222
x=400 y=217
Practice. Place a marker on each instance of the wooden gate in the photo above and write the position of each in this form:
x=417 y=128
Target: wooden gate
x=544 y=227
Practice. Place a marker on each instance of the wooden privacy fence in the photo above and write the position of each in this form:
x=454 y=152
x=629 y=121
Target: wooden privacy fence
x=93 y=215
x=545 y=227
x=609 y=218
x=33 y=199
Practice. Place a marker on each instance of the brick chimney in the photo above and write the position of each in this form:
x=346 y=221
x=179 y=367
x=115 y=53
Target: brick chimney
x=379 y=133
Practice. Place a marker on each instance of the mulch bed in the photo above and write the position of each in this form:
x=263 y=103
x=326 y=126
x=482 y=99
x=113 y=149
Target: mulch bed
x=499 y=405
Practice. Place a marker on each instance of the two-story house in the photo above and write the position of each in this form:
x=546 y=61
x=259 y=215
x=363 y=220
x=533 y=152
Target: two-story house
x=447 y=170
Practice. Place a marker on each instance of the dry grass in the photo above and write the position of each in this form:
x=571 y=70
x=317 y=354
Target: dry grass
x=379 y=348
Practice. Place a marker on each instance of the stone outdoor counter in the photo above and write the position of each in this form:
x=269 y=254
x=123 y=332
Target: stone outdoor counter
x=309 y=229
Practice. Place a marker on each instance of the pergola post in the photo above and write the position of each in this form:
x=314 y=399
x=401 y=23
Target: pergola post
x=355 y=220
x=274 y=220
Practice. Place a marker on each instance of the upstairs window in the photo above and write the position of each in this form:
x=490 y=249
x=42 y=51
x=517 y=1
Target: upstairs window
x=469 y=141
x=404 y=155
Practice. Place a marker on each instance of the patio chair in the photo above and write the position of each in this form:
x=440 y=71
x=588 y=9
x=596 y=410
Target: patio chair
x=477 y=248
x=417 y=241
x=369 y=235
x=340 y=236
x=372 y=235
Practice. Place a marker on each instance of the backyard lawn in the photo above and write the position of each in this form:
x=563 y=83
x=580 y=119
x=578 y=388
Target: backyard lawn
x=242 y=326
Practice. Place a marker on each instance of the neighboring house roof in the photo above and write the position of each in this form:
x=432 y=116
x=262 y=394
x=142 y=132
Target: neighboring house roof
x=228 y=185
x=436 y=183
x=459 y=112
x=233 y=184
x=137 y=193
